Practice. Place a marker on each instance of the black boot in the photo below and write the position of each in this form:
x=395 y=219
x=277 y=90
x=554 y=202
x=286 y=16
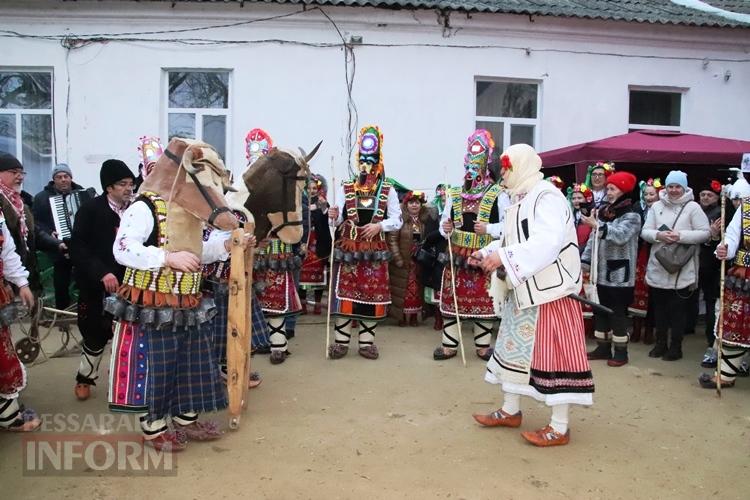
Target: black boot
x=620 y=357
x=675 y=350
x=603 y=350
x=660 y=348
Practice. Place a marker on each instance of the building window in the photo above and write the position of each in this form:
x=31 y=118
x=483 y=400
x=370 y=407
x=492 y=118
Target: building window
x=197 y=106
x=26 y=123
x=509 y=110
x=655 y=109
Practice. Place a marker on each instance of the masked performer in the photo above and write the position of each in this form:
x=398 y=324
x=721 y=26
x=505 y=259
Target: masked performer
x=318 y=247
x=540 y=350
x=274 y=268
x=162 y=363
x=735 y=335
x=472 y=218
x=360 y=272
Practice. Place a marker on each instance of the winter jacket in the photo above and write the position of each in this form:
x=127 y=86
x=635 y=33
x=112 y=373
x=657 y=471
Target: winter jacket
x=432 y=275
x=91 y=244
x=401 y=244
x=694 y=230
x=618 y=247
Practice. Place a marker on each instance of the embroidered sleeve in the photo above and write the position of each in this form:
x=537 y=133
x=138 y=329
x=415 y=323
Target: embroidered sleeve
x=13 y=269
x=129 y=250
x=394 y=221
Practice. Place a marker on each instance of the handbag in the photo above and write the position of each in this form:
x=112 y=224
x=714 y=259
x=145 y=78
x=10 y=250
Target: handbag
x=673 y=257
x=589 y=289
x=426 y=257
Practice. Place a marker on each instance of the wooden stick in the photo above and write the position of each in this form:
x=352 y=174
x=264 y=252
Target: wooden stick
x=455 y=301
x=720 y=329
x=238 y=331
x=453 y=278
x=332 y=229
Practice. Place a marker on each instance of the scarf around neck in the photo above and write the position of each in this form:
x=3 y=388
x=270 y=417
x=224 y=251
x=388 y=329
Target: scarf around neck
x=17 y=203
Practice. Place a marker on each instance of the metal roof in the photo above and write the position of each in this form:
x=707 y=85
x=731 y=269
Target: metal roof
x=643 y=11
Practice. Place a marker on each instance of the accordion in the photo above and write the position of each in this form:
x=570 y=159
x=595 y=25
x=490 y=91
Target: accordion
x=64 y=208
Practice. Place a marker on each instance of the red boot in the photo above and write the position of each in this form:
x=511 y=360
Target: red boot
x=438 y=321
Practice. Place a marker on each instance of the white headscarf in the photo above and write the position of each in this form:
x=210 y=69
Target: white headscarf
x=525 y=169
x=740 y=189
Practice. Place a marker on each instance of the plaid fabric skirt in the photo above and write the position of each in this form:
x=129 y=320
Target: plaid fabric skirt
x=218 y=326
x=183 y=373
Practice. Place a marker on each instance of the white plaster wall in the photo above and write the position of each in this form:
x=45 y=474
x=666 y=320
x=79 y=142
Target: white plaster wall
x=422 y=97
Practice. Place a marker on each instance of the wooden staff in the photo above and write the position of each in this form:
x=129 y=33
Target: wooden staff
x=720 y=329
x=239 y=327
x=453 y=280
x=332 y=229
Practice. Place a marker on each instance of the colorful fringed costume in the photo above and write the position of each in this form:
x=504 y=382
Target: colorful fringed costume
x=478 y=202
x=360 y=272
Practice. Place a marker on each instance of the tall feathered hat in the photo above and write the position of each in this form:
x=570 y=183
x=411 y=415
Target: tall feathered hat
x=257 y=143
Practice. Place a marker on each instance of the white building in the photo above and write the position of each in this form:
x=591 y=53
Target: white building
x=81 y=81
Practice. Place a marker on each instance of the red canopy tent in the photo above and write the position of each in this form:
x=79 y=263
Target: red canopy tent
x=649 y=153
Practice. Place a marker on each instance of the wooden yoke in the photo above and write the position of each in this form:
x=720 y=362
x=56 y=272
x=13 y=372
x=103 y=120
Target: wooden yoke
x=239 y=326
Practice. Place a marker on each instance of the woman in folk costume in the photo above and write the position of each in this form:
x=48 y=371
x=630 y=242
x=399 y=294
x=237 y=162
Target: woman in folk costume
x=360 y=277
x=472 y=218
x=641 y=309
x=540 y=350
x=162 y=363
x=617 y=229
x=433 y=245
x=596 y=180
x=735 y=334
x=407 y=294
x=313 y=275
x=274 y=266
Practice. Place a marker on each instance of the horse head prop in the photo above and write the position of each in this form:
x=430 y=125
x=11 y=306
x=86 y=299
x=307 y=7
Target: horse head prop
x=275 y=183
x=192 y=179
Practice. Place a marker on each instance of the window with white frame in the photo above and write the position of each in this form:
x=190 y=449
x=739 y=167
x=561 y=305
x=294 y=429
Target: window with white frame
x=198 y=106
x=651 y=108
x=509 y=110
x=26 y=123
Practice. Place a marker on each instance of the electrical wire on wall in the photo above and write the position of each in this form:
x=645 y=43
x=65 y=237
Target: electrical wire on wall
x=72 y=42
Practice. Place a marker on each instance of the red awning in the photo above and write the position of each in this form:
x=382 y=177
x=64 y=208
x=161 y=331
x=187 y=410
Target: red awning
x=652 y=146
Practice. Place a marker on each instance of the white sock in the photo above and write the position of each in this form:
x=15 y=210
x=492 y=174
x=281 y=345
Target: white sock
x=559 y=420
x=512 y=403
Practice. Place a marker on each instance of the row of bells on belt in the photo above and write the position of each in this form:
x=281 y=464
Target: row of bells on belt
x=289 y=264
x=162 y=317
x=458 y=260
x=737 y=283
x=361 y=256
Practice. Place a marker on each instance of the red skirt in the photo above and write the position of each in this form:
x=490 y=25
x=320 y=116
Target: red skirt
x=313 y=272
x=639 y=307
x=279 y=297
x=559 y=363
x=736 y=310
x=471 y=293
x=12 y=372
x=414 y=297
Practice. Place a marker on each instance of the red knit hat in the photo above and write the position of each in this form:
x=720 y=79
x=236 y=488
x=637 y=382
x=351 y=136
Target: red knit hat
x=624 y=181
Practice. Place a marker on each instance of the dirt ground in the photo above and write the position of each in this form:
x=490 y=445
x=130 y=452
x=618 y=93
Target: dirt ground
x=401 y=427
